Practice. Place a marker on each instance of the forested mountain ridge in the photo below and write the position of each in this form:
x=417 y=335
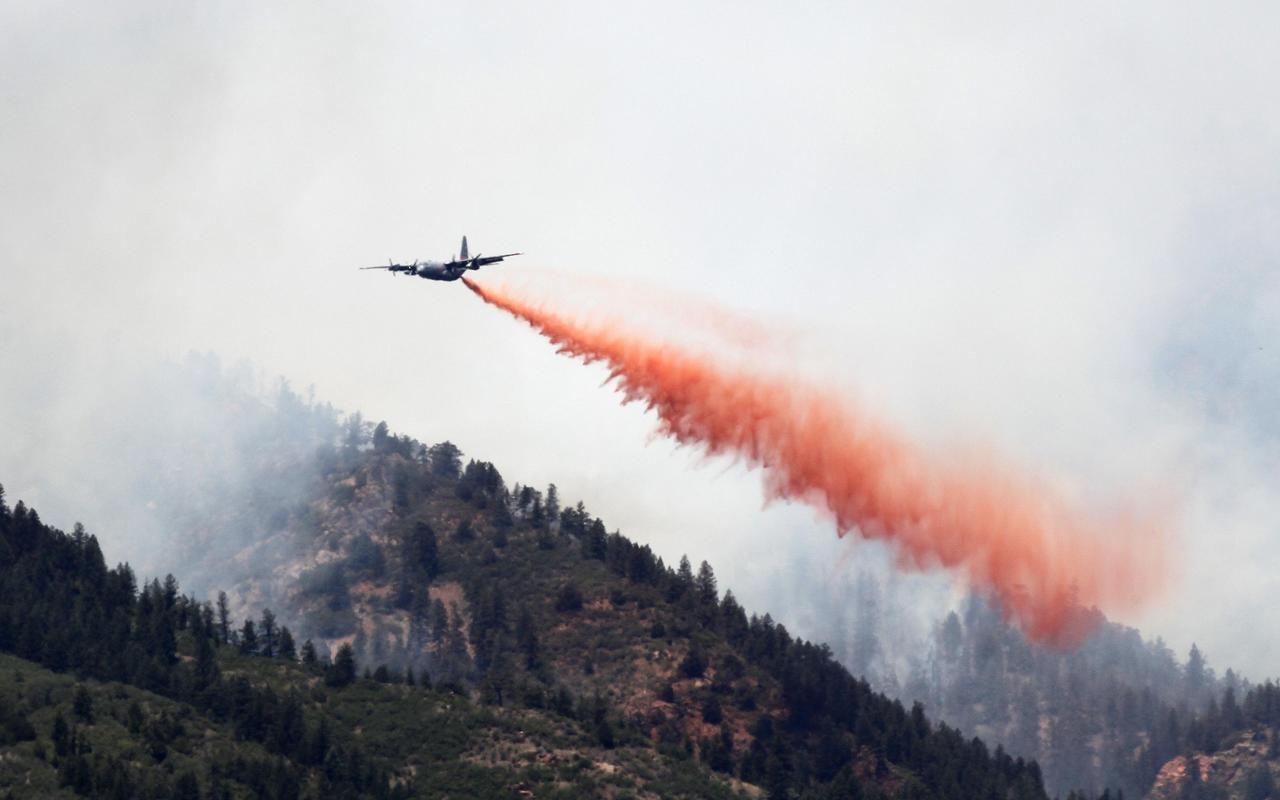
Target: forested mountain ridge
x=1110 y=713
x=417 y=562
x=1107 y=715
x=109 y=689
x=553 y=634
x=420 y=563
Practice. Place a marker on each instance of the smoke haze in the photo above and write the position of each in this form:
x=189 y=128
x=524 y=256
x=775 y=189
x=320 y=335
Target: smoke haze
x=1049 y=231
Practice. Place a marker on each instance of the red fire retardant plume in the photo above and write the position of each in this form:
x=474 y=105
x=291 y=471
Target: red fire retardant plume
x=1043 y=562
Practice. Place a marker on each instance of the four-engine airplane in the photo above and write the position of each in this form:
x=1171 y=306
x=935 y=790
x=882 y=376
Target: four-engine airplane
x=445 y=270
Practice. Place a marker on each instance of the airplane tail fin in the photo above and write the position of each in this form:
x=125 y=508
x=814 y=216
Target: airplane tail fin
x=463 y=255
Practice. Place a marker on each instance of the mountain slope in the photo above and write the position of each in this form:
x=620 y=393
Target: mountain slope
x=417 y=563
x=287 y=506
x=1094 y=717
x=593 y=664
x=165 y=703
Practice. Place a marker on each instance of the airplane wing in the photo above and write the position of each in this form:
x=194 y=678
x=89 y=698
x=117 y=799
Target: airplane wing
x=480 y=261
x=397 y=267
x=477 y=261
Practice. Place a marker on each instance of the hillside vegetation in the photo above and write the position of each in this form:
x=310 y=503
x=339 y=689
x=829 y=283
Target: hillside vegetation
x=344 y=550
x=1111 y=713
x=563 y=660
x=113 y=691
x=420 y=563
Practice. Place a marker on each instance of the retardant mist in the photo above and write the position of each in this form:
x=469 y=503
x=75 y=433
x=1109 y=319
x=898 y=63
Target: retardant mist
x=1048 y=565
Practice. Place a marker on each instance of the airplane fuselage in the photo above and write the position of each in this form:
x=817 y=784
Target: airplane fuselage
x=438 y=271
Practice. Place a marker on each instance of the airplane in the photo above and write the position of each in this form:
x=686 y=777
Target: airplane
x=445 y=270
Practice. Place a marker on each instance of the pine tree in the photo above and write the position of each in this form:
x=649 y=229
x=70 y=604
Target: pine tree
x=317 y=746
x=206 y=662
x=207 y=621
x=224 y=619
x=423 y=551
x=706 y=585
x=553 y=504
x=684 y=575
x=1194 y=676
x=711 y=711
x=248 y=638
x=694 y=664
x=597 y=541
x=288 y=650
x=269 y=634
x=170 y=592
x=380 y=437
x=400 y=486
x=343 y=670
x=61 y=733
x=82 y=705
x=527 y=640
x=446 y=460
x=464 y=533
x=569 y=598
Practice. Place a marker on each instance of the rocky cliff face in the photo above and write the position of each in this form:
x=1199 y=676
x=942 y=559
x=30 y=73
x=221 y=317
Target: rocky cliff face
x=1245 y=770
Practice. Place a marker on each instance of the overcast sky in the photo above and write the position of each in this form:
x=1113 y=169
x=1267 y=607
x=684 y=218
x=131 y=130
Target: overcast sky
x=1049 y=231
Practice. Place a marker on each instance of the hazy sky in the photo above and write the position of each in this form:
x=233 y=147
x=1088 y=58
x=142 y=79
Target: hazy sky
x=1052 y=231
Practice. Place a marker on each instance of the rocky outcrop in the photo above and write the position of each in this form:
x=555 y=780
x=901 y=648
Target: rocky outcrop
x=1245 y=769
